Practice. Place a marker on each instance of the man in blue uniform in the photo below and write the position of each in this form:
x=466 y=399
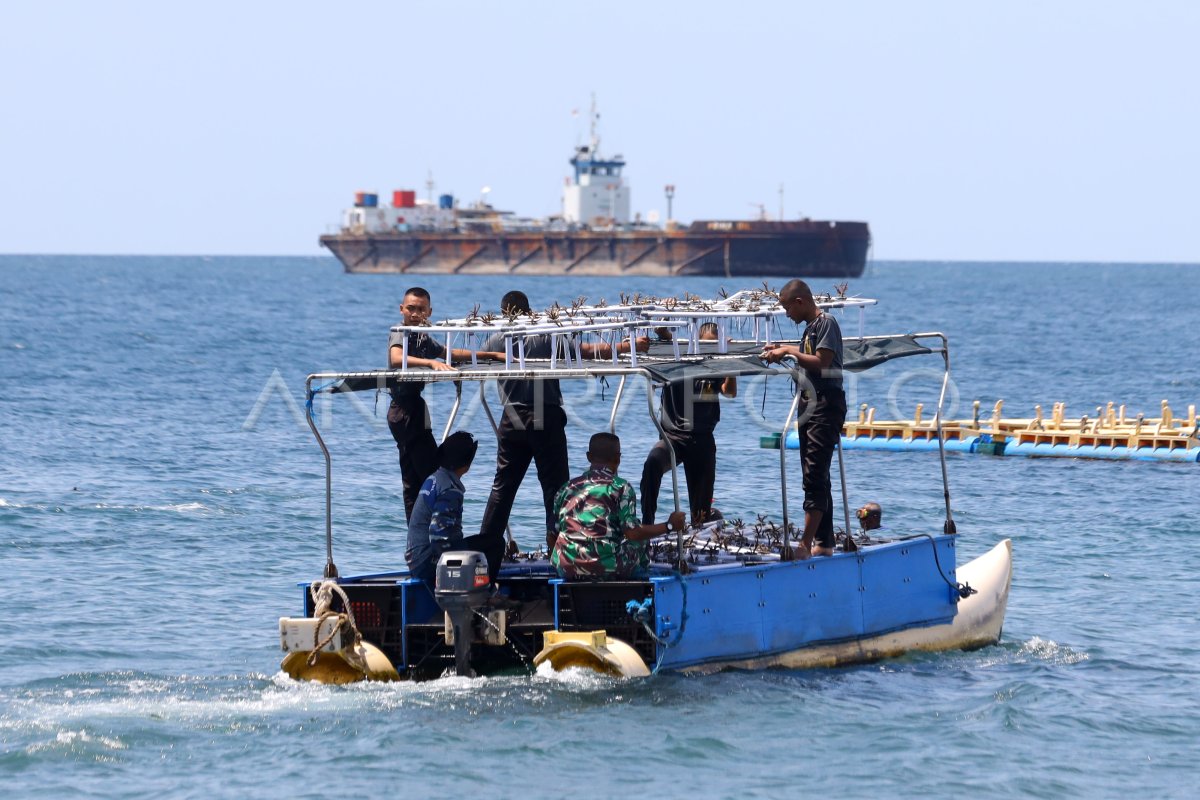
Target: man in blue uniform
x=436 y=522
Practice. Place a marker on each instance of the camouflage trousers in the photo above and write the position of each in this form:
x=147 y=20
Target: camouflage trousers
x=598 y=559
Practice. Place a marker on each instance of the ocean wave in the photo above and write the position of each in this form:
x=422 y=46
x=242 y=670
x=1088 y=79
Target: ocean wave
x=191 y=507
x=1050 y=652
x=73 y=740
x=1033 y=651
x=34 y=506
x=179 y=508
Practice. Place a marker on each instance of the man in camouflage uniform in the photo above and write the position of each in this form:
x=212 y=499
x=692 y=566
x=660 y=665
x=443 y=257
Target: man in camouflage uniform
x=598 y=532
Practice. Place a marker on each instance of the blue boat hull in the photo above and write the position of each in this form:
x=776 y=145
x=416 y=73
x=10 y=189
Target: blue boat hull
x=847 y=608
x=713 y=619
x=978 y=622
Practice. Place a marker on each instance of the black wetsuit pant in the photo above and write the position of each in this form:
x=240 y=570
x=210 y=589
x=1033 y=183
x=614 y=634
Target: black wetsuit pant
x=697 y=452
x=409 y=423
x=819 y=435
x=524 y=437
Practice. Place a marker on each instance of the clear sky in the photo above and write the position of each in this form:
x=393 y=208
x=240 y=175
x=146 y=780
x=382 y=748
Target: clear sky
x=959 y=130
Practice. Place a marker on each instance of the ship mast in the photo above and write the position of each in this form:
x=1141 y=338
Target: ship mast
x=595 y=136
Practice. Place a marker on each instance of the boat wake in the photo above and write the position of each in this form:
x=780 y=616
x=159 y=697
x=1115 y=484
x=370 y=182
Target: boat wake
x=1033 y=651
x=583 y=678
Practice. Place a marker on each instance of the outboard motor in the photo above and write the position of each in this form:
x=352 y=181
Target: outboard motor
x=460 y=588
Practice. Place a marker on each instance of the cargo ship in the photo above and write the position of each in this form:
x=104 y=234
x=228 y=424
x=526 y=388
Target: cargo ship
x=594 y=235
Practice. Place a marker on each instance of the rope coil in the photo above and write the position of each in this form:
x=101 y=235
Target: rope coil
x=322 y=596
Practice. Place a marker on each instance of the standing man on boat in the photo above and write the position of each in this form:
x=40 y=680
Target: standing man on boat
x=690 y=413
x=408 y=416
x=598 y=534
x=819 y=355
x=533 y=427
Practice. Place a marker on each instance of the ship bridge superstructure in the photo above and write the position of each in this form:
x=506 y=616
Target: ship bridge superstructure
x=597 y=195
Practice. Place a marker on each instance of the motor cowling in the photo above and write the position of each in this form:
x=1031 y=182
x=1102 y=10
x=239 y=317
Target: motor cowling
x=461 y=587
x=461 y=581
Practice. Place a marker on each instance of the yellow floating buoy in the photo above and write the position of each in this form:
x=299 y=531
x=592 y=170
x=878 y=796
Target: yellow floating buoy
x=592 y=650
x=340 y=667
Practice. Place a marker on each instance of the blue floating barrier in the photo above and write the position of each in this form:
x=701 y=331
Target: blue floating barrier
x=985 y=445
x=966 y=445
x=894 y=444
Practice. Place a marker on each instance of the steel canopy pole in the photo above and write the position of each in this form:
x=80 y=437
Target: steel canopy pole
x=331 y=570
x=612 y=417
x=453 y=411
x=949 y=526
x=845 y=497
x=662 y=435
x=495 y=430
x=782 y=455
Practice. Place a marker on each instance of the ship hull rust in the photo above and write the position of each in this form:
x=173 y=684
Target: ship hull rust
x=791 y=249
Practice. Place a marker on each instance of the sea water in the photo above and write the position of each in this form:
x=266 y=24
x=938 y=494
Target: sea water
x=161 y=500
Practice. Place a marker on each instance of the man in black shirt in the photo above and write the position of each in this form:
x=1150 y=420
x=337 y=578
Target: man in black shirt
x=408 y=417
x=819 y=355
x=533 y=427
x=690 y=413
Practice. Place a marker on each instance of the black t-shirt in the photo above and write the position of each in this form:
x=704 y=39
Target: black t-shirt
x=691 y=406
x=420 y=345
x=525 y=393
x=824 y=333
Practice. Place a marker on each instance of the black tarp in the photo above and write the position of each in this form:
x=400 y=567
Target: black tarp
x=862 y=354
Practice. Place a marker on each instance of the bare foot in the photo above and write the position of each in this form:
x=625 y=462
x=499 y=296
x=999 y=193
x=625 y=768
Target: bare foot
x=796 y=552
x=818 y=550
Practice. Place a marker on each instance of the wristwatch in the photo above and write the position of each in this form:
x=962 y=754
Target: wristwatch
x=668 y=524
